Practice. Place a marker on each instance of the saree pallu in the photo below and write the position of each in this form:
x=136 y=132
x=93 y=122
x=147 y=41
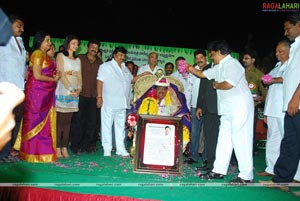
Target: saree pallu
x=36 y=140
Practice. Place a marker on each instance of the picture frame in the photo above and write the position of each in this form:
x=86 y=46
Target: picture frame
x=159 y=144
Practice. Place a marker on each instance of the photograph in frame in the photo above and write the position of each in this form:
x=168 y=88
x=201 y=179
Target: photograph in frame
x=159 y=145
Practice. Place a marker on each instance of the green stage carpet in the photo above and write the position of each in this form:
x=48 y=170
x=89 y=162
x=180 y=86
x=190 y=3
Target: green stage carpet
x=95 y=174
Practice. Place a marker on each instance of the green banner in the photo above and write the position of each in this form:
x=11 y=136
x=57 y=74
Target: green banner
x=137 y=53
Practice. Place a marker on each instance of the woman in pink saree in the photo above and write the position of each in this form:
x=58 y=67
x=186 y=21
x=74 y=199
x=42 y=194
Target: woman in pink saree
x=36 y=140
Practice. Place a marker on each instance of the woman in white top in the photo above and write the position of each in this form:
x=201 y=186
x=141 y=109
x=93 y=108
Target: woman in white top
x=67 y=92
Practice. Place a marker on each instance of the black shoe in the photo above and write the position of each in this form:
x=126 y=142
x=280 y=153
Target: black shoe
x=190 y=161
x=204 y=164
x=239 y=181
x=204 y=168
x=77 y=152
x=91 y=149
x=211 y=176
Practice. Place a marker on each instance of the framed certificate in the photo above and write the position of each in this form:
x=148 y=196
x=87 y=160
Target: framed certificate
x=159 y=145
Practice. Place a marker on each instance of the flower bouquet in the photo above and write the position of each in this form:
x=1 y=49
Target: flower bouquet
x=182 y=68
x=131 y=125
x=267 y=78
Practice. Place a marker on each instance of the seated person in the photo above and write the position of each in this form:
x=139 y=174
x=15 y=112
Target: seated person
x=163 y=98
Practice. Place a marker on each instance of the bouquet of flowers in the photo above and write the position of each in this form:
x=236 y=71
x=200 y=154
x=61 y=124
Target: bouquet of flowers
x=131 y=123
x=267 y=78
x=182 y=68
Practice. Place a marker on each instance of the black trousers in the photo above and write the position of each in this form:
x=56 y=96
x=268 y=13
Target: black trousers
x=211 y=123
x=287 y=163
x=83 y=133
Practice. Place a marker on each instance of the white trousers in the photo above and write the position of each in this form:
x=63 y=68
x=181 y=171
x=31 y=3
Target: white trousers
x=236 y=133
x=108 y=118
x=275 y=134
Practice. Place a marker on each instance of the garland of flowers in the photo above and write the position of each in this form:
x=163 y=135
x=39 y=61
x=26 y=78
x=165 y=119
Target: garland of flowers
x=149 y=106
x=168 y=99
x=186 y=134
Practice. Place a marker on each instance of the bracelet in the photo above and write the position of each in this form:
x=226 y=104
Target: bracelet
x=99 y=96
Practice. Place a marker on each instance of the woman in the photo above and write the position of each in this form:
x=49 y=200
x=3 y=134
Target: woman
x=37 y=136
x=67 y=92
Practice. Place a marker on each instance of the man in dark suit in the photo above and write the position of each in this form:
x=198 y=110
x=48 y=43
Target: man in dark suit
x=207 y=109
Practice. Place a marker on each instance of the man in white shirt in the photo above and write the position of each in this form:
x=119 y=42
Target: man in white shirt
x=151 y=66
x=285 y=169
x=186 y=80
x=236 y=107
x=114 y=88
x=273 y=113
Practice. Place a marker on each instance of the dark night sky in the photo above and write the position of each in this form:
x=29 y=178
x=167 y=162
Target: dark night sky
x=163 y=23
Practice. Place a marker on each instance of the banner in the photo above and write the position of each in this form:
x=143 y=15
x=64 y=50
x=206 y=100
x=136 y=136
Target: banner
x=137 y=53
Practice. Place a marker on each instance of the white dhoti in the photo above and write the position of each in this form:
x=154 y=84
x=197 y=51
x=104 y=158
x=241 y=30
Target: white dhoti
x=236 y=133
x=275 y=134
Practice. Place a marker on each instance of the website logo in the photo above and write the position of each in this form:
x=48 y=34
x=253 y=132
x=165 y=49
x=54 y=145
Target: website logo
x=280 y=7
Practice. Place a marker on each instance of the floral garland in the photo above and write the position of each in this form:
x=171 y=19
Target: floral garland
x=186 y=134
x=267 y=78
x=149 y=106
x=168 y=99
x=131 y=124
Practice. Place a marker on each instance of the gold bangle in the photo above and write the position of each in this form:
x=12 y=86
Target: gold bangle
x=99 y=96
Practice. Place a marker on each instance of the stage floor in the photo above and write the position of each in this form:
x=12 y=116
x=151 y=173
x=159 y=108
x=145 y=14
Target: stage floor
x=114 y=176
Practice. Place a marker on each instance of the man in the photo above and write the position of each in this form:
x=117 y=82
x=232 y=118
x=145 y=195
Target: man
x=187 y=81
x=84 y=131
x=114 y=88
x=13 y=66
x=258 y=90
x=235 y=105
x=207 y=109
x=167 y=130
x=273 y=114
x=285 y=168
x=130 y=66
x=151 y=66
x=200 y=58
x=169 y=68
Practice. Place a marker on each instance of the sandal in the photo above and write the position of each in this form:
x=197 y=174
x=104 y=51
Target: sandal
x=14 y=153
x=65 y=153
x=211 y=176
x=6 y=160
x=239 y=181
